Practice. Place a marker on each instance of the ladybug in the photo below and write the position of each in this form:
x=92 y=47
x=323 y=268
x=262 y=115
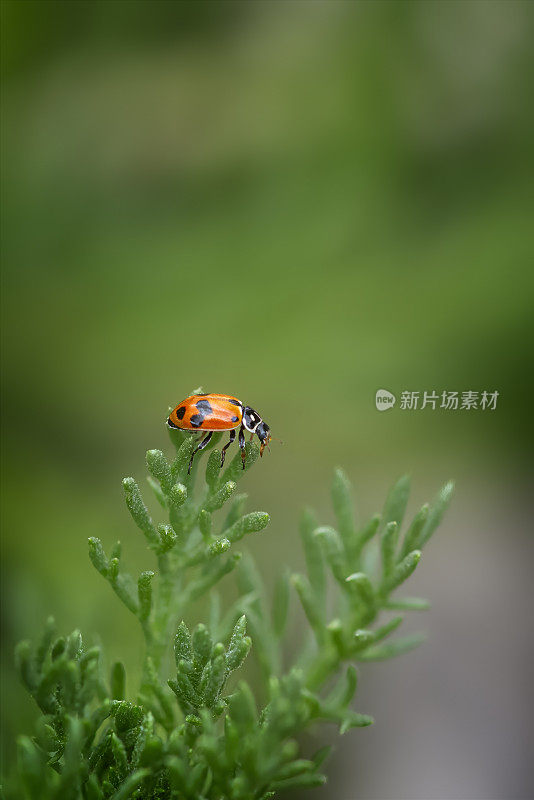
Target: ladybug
x=219 y=412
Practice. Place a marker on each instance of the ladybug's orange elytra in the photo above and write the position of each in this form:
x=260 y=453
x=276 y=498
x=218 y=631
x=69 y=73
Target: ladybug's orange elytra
x=219 y=412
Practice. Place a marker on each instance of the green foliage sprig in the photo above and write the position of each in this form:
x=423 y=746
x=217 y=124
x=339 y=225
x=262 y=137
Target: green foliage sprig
x=189 y=735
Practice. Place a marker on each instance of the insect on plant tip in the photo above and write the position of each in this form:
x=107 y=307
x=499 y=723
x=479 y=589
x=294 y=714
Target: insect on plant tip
x=219 y=412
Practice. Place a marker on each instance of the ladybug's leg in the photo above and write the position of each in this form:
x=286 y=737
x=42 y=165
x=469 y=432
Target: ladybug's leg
x=242 y=444
x=201 y=446
x=227 y=445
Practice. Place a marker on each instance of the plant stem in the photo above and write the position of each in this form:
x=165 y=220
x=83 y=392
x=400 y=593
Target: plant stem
x=324 y=665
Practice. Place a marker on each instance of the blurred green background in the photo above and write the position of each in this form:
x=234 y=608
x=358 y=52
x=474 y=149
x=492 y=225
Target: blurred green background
x=297 y=203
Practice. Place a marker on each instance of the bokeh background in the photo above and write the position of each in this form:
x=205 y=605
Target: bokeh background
x=298 y=203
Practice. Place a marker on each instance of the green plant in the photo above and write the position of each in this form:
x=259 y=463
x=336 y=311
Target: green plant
x=200 y=734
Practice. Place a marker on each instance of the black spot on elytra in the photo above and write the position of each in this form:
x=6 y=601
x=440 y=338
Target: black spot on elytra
x=235 y=402
x=171 y=424
x=197 y=420
x=180 y=412
x=204 y=407
x=234 y=419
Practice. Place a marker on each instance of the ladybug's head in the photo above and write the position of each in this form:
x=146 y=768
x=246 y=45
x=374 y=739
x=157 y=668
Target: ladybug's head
x=264 y=435
x=254 y=423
